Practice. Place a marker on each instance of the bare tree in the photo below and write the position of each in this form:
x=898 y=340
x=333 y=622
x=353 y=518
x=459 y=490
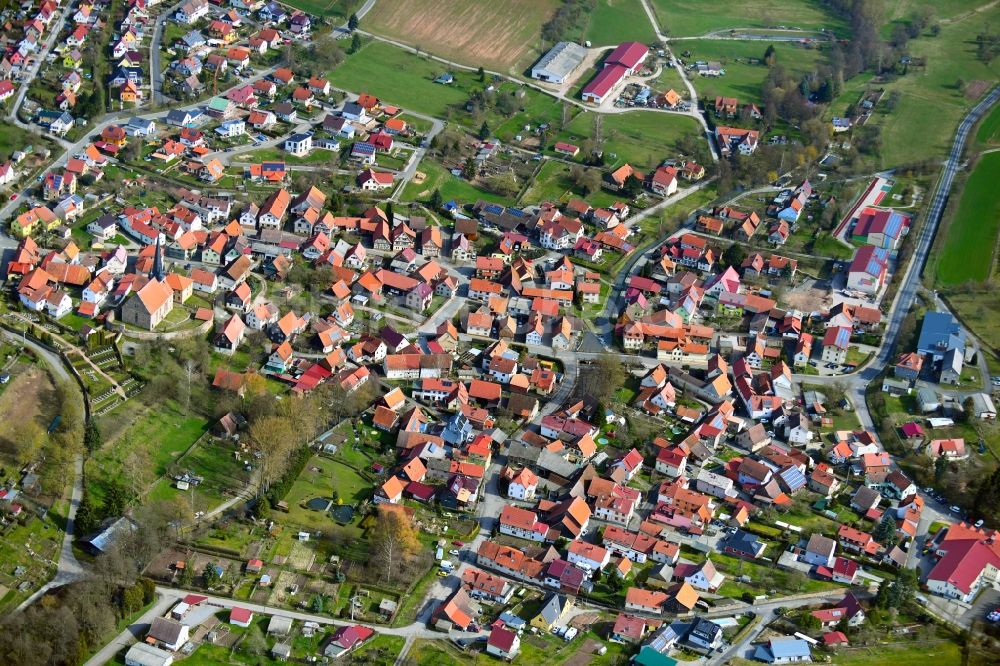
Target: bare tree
x=273 y=438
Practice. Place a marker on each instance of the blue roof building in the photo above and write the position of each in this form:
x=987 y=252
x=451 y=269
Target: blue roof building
x=744 y=544
x=939 y=334
x=785 y=650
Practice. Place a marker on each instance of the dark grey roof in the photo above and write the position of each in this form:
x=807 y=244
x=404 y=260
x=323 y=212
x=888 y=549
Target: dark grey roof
x=523 y=453
x=165 y=630
x=705 y=629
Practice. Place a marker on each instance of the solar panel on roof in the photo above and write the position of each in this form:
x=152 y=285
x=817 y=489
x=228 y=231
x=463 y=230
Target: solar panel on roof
x=493 y=209
x=794 y=478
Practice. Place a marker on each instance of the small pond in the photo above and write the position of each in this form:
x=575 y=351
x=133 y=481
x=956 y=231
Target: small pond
x=319 y=504
x=343 y=513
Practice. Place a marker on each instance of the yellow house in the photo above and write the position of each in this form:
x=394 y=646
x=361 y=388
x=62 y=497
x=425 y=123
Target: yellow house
x=130 y=93
x=28 y=223
x=115 y=135
x=553 y=609
x=24 y=225
x=72 y=60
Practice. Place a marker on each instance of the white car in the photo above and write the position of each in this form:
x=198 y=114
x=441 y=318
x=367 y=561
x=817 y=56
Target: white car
x=453 y=551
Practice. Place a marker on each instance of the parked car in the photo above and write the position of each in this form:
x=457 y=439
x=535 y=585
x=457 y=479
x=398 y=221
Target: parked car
x=954 y=509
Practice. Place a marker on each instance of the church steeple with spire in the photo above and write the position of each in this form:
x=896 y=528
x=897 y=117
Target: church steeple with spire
x=158 y=261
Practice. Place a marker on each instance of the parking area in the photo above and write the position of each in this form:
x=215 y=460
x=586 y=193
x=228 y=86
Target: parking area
x=987 y=603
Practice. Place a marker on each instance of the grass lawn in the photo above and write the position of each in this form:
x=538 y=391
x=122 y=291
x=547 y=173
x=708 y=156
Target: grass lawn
x=763 y=576
x=503 y=36
x=913 y=653
x=680 y=210
x=439 y=653
x=686 y=18
x=451 y=187
x=930 y=104
x=670 y=79
x=214 y=461
x=972 y=232
x=826 y=245
x=382 y=650
x=944 y=9
x=320 y=478
x=338 y=8
x=400 y=77
x=553 y=184
x=616 y=21
x=317 y=156
x=162 y=428
x=536 y=109
x=980 y=311
x=742 y=79
x=989 y=128
x=643 y=138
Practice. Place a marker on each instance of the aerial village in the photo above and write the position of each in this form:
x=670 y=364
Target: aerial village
x=555 y=425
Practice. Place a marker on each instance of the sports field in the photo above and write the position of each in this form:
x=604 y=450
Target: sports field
x=616 y=21
x=970 y=237
x=502 y=36
x=691 y=18
x=742 y=79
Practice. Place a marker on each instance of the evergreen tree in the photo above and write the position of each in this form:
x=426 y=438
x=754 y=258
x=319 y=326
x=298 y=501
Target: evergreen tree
x=482 y=74
x=355 y=43
x=885 y=531
x=92 y=436
x=469 y=170
x=211 y=575
x=86 y=517
x=940 y=468
x=352 y=23
x=484 y=131
x=435 y=201
x=390 y=214
x=734 y=255
x=116 y=499
x=632 y=186
x=770 y=57
x=988 y=496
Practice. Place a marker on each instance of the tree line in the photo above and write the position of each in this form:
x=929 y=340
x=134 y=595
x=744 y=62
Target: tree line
x=568 y=21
